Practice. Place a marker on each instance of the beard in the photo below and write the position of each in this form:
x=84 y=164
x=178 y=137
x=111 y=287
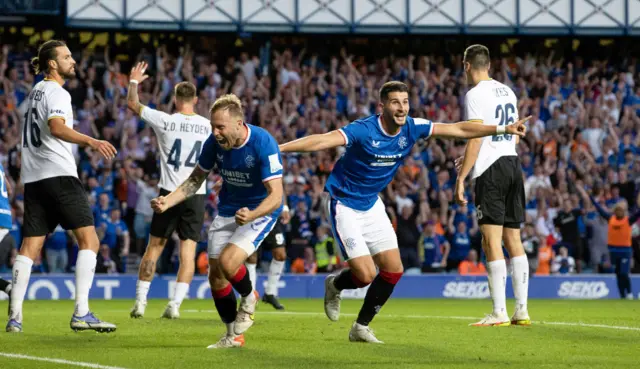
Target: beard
x=69 y=73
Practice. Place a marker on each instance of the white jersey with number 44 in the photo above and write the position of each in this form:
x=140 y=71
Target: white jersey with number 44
x=43 y=155
x=180 y=137
x=492 y=103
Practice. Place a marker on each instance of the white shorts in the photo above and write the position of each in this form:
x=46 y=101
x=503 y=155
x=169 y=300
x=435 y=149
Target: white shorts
x=248 y=237
x=361 y=233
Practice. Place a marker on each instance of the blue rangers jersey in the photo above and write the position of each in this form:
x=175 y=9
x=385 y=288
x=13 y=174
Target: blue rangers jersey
x=371 y=159
x=244 y=169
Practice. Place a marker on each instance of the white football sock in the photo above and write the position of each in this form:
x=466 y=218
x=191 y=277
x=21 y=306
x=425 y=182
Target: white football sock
x=275 y=271
x=251 y=269
x=249 y=299
x=182 y=289
x=142 y=289
x=85 y=271
x=520 y=280
x=21 y=273
x=498 y=285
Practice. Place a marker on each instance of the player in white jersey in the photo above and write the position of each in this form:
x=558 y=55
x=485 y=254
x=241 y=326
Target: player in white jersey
x=180 y=137
x=499 y=187
x=52 y=192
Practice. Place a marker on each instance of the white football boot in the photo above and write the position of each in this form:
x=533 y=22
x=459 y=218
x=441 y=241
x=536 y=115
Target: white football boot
x=228 y=341
x=138 y=309
x=493 y=320
x=362 y=333
x=246 y=312
x=521 y=317
x=172 y=311
x=331 y=299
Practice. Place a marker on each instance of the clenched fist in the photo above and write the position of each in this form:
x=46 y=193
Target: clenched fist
x=159 y=204
x=244 y=216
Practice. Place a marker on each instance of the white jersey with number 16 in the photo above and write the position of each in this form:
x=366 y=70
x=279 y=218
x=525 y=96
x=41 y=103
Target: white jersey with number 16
x=492 y=103
x=180 y=137
x=45 y=156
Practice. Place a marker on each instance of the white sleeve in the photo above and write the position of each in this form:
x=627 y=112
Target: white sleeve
x=472 y=108
x=154 y=117
x=58 y=105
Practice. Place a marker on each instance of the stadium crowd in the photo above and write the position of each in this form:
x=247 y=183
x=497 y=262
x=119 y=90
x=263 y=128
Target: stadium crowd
x=586 y=115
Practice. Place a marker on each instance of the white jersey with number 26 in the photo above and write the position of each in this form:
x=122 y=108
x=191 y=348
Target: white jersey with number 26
x=45 y=156
x=180 y=137
x=492 y=103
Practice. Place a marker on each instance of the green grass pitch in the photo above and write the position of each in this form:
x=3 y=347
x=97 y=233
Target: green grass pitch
x=417 y=334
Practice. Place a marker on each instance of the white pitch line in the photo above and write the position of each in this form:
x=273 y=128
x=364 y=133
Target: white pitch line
x=452 y=317
x=620 y=327
x=58 y=361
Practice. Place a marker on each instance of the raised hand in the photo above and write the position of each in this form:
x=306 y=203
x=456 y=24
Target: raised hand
x=137 y=72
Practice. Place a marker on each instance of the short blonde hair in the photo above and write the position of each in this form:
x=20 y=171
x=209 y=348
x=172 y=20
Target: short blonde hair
x=185 y=91
x=229 y=102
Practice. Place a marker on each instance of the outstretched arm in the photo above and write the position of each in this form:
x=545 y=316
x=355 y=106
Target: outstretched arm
x=474 y=130
x=315 y=142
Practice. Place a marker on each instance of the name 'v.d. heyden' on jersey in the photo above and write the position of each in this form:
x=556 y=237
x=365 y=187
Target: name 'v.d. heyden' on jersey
x=181 y=138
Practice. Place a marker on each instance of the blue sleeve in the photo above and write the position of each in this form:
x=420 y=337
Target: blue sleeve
x=270 y=161
x=599 y=208
x=424 y=127
x=354 y=132
x=207 y=157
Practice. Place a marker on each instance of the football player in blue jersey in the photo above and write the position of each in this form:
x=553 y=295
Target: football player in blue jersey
x=375 y=148
x=251 y=198
x=5 y=224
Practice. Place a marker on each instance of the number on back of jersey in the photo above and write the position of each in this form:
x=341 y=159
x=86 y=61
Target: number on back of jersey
x=31 y=125
x=174 y=157
x=505 y=113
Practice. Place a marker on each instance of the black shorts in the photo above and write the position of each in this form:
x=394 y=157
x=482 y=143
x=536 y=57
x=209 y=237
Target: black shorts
x=500 y=193
x=53 y=201
x=275 y=238
x=186 y=218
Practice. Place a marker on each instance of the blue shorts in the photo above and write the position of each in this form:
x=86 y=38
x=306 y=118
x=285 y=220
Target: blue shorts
x=621 y=259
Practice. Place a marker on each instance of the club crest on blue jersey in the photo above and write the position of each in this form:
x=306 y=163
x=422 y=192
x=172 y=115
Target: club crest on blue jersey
x=402 y=142
x=250 y=161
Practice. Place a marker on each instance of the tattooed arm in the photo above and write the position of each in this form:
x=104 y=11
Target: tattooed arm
x=187 y=189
